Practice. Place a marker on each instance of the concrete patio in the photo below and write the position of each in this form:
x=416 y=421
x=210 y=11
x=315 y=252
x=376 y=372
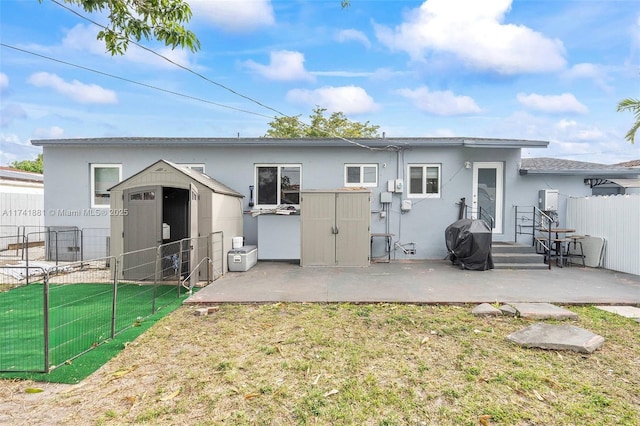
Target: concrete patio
x=433 y=281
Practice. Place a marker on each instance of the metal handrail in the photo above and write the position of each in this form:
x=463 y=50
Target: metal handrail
x=481 y=213
x=536 y=224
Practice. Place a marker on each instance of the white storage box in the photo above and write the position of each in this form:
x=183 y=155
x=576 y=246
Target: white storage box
x=242 y=259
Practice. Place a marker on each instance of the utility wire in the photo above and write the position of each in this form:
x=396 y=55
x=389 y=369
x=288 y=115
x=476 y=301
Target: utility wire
x=387 y=148
x=133 y=81
x=171 y=61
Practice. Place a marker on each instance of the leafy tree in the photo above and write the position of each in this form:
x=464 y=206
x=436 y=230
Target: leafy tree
x=632 y=105
x=36 y=166
x=336 y=125
x=133 y=20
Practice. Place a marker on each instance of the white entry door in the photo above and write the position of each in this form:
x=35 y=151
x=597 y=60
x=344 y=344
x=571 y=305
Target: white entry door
x=488 y=193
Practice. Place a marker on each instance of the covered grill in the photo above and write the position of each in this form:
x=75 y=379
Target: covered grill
x=469 y=244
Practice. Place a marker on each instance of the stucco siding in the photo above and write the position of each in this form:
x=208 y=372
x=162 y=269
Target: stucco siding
x=68 y=183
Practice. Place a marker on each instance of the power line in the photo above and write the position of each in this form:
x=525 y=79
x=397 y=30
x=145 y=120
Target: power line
x=133 y=81
x=389 y=147
x=172 y=62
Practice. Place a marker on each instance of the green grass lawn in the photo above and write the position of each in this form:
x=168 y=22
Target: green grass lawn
x=80 y=318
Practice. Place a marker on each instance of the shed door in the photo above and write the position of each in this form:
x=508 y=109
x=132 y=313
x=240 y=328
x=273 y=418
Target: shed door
x=317 y=221
x=142 y=231
x=352 y=224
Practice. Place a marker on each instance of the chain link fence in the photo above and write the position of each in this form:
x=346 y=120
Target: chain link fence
x=52 y=311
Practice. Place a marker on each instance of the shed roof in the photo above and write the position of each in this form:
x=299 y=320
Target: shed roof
x=375 y=143
x=195 y=175
x=556 y=166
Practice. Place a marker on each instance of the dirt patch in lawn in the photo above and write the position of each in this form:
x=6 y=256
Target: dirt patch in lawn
x=376 y=364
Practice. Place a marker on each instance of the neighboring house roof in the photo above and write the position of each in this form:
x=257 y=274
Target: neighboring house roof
x=384 y=143
x=556 y=166
x=201 y=178
x=9 y=173
x=632 y=163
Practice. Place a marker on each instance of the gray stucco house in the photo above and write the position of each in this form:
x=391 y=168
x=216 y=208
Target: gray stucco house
x=416 y=184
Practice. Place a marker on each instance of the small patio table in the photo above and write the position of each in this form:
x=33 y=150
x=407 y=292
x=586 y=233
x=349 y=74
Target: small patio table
x=558 y=243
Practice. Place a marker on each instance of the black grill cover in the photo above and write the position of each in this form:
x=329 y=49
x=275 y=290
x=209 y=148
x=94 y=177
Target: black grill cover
x=469 y=244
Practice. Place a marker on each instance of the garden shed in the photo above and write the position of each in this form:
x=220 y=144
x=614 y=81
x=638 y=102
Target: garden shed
x=167 y=203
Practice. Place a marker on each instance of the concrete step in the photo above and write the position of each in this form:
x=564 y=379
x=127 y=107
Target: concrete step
x=517 y=257
x=520 y=266
x=506 y=247
x=514 y=256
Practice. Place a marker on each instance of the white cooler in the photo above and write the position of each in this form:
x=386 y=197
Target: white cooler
x=242 y=259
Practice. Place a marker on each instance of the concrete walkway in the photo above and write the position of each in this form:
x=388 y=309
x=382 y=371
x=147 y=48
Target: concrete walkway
x=434 y=281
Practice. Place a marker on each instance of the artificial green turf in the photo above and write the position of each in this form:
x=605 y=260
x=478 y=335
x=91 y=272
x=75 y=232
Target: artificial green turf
x=79 y=320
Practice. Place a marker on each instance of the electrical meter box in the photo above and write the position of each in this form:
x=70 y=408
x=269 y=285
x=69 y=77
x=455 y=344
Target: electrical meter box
x=548 y=200
x=242 y=259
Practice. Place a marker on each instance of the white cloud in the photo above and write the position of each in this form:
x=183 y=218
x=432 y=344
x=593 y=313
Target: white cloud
x=346 y=74
x=589 y=71
x=284 y=65
x=53 y=132
x=563 y=124
x=79 y=92
x=474 y=32
x=353 y=35
x=11 y=112
x=11 y=138
x=235 y=16
x=387 y=74
x=573 y=131
x=82 y=38
x=440 y=102
x=552 y=103
x=11 y=148
x=4 y=82
x=346 y=99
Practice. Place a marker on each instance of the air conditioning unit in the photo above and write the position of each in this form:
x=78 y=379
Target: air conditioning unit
x=548 y=200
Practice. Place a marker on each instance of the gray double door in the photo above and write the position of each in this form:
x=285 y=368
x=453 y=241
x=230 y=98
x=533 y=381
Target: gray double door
x=335 y=228
x=157 y=216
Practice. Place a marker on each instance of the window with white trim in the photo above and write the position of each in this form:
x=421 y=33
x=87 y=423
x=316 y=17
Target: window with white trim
x=424 y=180
x=103 y=177
x=278 y=184
x=361 y=175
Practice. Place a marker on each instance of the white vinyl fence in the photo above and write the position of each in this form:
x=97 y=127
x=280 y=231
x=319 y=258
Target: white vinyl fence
x=616 y=219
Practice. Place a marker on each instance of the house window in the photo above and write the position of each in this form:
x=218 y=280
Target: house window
x=278 y=184
x=424 y=181
x=361 y=175
x=103 y=177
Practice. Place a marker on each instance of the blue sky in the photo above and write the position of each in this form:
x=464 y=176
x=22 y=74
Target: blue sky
x=551 y=70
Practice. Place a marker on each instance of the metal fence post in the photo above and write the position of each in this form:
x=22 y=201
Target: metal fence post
x=180 y=260
x=114 y=307
x=155 y=277
x=45 y=308
x=26 y=243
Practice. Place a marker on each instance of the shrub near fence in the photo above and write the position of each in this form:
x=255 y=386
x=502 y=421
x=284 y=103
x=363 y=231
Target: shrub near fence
x=61 y=311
